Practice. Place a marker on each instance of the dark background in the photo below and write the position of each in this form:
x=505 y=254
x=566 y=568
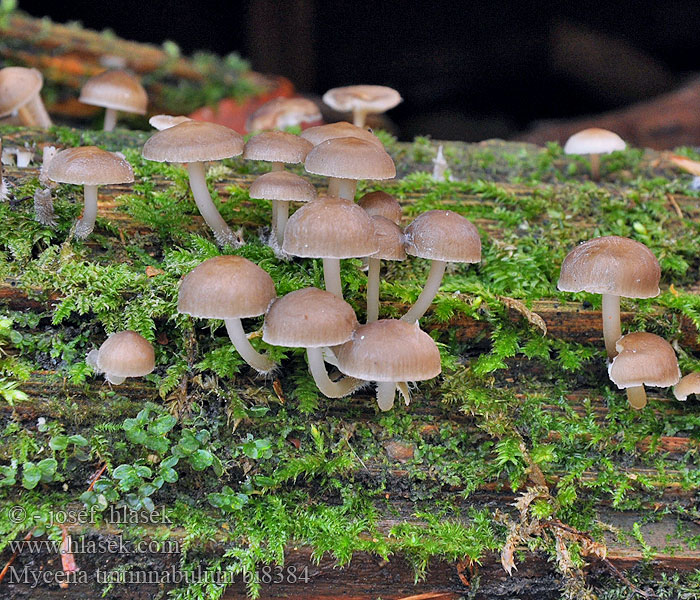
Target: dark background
x=466 y=70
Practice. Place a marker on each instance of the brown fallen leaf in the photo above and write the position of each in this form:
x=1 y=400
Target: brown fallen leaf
x=532 y=317
x=152 y=271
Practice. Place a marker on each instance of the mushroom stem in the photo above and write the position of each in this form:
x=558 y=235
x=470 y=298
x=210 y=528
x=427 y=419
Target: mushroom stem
x=611 y=323
x=281 y=215
x=432 y=285
x=33 y=114
x=114 y=379
x=331 y=276
x=346 y=189
x=328 y=388
x=595 y=167
x=240 y=342
x=198 y=185
x=359 y=117
x=110 y=119
x=405 y=392
x=375 y=266
x=637 y=397
x=386 y=390
x=86 y=223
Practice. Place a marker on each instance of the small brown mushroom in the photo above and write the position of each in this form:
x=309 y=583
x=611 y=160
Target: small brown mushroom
x=389 y=352
x=594 y=141
x=442 y=236
x=313 y=319
x=391 y=247
x=229 y=288
x=690 y=384
x=280 y=113
x=643 y=358
x=90 y=167
x=19 y=91
x=321 y=133
x=124 y=354
x=362 y=100
x=382 y=204
x=161 y=122
x=612 y=266
x=114 y=91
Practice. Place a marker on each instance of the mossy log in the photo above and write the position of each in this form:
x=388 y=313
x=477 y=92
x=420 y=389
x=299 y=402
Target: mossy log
x=522 y=413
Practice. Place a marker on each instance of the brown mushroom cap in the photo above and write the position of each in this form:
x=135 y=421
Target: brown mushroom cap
x=443 y=235
x=383 y=204
x=226 y=287
x=18 y=85
x=611 y=265
x=369 y=98
x=277 y=146
x=644 y=359
x=126 y=354
x=193 y=141
x=115 y=89
x=690 y=384
x=350 y=158
x=330 y=227
x=389 y=350
x=282 y=185
x=279 y=113
x=390 y=239
x=309 y=318
x=89 y=165
x=594 y=141
x=321 y=133
x=161 y=122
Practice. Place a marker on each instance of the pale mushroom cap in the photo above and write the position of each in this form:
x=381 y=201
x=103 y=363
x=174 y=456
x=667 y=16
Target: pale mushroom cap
x=443 y=235
x=330 y=227
x=126 y=354
x=390 y=239
x=644 y=359
x=594 y=141
x=282 y=185
x=279 y=113
x=115 y=89
x=321 y=133
x=89 y=165
x=611 y=265
x=226 y=287
x=382 y=204
x=161 y=122
x=277 y=146
x=368 y=98
x=309 y=318
x=193 y=141
x=350 y=158
x=390 y=350
x=18 y=85
x=690 y=384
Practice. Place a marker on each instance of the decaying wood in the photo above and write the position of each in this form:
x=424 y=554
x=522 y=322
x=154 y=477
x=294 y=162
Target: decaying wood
x=667 y=121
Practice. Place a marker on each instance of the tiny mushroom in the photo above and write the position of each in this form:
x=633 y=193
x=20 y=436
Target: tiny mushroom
x=115 y=90
x=389 y=352
x=282 y=187
x=161 y=122
x=194 y=143
x=690 y=384
x=229 y=288
x=330 y=228
x=594 y=141
x=347 y=160
x=612 y=266
x=362 y=100
x=19 y=91
x=643 y=358
x=313 y=319
x=382 y=204
x=391 y=247
x=279 y=113
x=90 y=167
x=124 y=354
x=442 y=236
x=321 y=133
